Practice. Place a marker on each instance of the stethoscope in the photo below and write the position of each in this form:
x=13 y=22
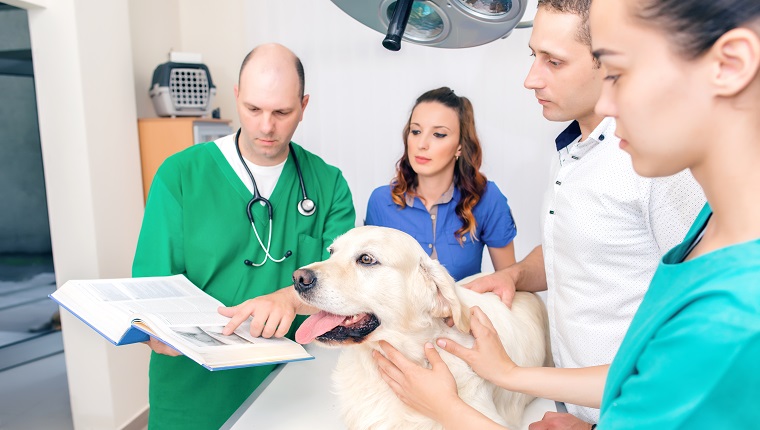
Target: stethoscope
x=306 y=206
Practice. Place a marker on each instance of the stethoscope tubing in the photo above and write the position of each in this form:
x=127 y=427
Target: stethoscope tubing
x=306 y=206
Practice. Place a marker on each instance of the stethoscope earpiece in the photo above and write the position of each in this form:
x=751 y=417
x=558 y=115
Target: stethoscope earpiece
x=306 y=206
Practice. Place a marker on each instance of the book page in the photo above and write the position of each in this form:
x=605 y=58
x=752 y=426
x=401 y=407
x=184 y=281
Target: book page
x=211 y=336
x=143 y=289
x=204 y=333
x=110 y=305
x=206 y=344
x=173 y=299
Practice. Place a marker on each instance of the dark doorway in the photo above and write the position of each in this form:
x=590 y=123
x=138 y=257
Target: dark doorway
x=31 y=349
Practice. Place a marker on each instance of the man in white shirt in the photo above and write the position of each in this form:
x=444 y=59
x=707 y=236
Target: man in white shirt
x=604 y=227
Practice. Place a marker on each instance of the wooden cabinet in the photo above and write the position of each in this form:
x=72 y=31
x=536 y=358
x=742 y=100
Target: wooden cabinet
x=162 y=137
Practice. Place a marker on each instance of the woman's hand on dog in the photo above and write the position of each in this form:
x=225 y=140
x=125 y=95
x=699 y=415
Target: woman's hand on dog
x=431 y=392
x=487 y=356
x=272 y=314
x=428 y=391
x=580 y=386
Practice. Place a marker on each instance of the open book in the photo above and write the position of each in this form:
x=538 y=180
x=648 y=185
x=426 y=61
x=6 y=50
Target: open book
x=176 y=312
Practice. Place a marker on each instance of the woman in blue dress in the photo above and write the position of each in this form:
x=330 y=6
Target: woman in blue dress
x=439 y=196
x=684 y=85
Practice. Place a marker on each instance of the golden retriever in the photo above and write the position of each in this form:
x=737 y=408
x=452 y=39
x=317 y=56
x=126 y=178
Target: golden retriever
x=379 y=284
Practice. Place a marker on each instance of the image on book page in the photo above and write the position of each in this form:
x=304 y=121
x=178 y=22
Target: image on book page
x=211 y=336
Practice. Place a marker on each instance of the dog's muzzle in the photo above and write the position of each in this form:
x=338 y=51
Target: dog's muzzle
x=327 y=327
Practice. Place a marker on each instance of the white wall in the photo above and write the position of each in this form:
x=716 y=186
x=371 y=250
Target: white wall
x=361 y=93
x=154 y=31
x=361 y=96
x=86 y=107
x=216 y=30
x=213 y=29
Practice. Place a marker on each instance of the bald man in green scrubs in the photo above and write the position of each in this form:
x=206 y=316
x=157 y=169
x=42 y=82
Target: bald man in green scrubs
x=197 y=223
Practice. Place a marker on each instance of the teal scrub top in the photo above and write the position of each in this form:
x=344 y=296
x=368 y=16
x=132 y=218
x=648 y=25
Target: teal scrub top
x=196 y=223
x=691 y=357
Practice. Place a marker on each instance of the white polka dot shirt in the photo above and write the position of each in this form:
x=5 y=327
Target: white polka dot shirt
x=605 y=229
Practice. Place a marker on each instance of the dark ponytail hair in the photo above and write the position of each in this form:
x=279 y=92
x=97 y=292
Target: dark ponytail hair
x=695 y=25
x=467 y=177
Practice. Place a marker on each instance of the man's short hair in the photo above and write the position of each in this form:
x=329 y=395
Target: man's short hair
x=576 y=7
x=299 y=71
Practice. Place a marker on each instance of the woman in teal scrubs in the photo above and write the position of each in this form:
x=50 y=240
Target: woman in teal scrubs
x=684 y=85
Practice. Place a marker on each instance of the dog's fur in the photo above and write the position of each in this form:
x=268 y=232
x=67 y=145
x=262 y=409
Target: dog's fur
x=384 y=273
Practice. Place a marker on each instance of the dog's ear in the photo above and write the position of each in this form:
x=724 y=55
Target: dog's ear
x=447 y=303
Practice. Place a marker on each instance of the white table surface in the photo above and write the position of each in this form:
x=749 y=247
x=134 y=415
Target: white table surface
x=297 y=396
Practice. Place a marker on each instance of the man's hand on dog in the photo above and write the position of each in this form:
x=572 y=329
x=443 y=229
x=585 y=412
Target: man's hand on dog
x=559 y=421
x=427 y=391
x=487 y=356
x=501 y=283
x=161 y=348
x=272 y=314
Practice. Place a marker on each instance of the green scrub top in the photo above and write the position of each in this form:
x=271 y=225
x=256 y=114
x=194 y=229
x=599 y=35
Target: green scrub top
x=691 y=357
x=196 y=223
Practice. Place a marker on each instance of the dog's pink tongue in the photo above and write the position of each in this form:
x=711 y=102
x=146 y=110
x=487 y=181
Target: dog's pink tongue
x=317 y=325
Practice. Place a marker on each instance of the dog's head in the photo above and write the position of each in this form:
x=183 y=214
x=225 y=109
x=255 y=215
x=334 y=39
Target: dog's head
x=376 y=280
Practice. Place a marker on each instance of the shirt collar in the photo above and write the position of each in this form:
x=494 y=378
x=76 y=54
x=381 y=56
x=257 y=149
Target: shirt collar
x=605 y=130
x=568 y=135
x=445 y=198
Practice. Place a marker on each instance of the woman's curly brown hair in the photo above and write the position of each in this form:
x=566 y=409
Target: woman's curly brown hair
x=467 y=177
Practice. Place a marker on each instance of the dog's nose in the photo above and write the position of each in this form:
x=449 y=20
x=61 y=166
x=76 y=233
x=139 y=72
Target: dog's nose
x=304 y=279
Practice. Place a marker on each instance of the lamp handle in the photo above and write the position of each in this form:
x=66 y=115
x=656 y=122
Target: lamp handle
x=397 y=25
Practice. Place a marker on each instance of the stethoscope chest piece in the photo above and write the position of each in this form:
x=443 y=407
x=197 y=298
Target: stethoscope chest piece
x=306 y=207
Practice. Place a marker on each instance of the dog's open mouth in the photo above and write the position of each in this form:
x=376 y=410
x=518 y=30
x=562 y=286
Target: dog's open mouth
x=328 y=328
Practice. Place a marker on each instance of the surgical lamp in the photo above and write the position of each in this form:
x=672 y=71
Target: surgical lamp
x=438 y=23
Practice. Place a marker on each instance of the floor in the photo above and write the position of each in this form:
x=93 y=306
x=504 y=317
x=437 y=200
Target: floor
x=33 y=386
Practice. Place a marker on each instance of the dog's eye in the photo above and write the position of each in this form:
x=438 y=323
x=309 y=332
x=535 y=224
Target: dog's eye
x=366 y=260
x=330 y=250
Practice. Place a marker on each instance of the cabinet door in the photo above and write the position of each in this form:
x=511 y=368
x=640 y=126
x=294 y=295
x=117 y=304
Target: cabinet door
x=162 y=137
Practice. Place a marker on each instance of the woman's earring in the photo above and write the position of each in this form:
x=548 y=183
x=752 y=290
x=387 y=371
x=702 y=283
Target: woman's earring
x=456 y=157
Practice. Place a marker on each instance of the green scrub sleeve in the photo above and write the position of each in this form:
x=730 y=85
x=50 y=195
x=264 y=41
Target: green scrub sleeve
x=160 y=245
